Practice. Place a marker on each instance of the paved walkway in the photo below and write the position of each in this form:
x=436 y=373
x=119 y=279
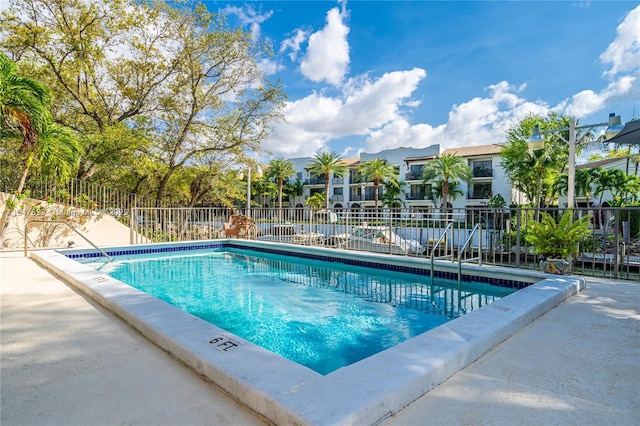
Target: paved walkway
x=66 y=361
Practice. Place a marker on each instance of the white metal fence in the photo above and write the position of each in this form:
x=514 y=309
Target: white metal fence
x=611 y=250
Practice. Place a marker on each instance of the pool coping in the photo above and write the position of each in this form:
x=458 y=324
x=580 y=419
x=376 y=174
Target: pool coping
x=285 y=392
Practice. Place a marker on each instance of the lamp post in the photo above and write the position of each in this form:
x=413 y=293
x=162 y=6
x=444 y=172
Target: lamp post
x=536 y=142
x=258 y=174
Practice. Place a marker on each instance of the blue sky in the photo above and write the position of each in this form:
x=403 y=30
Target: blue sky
x=375 y=75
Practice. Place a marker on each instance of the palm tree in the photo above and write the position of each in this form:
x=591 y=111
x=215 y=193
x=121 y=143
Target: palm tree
x=453 y=191
x=390 y=194
x=25 y=113
x=295 y=189
x=24 y=105
x=584 y=180
x=323 y=164
x=56 y=151
x=280 y=169
x=533 y=172
x=378 y=171
x=445 y=169
x=315 y=201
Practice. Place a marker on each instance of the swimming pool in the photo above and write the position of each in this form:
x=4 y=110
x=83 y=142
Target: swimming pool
x=319 y=314
x=288 y=393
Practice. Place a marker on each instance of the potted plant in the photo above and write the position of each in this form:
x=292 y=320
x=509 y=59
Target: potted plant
x=557 y=241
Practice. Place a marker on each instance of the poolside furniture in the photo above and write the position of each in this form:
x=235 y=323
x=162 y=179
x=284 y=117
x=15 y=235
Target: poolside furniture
x=231 y=228
x=240 y=226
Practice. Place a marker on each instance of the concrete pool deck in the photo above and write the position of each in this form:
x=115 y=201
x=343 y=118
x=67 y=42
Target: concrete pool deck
x=66 y=360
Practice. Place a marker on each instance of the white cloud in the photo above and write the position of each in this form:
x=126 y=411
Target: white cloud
x=364 y=106
x=400 y=133
x=476 y=122
x=623 y=54
x=293 y=43
x=588 y=101
x=248 y=16
x=378 y=110
x=327 y=56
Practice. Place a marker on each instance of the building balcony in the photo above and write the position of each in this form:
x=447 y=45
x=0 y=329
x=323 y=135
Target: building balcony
x=418 y=196
x=411 y=176
x=478 y=196
x=482 y=172
x=314 y=181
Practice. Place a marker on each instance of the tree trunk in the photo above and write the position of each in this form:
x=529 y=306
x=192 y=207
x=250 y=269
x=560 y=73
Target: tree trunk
x=11 y=213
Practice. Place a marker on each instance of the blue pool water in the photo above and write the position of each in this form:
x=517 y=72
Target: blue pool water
x=319 y=314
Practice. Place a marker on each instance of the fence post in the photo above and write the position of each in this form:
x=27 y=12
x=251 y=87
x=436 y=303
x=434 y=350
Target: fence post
x=616 y=242
x=131 y=222
x=518 y=224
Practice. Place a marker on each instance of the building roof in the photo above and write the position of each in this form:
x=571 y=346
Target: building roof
x=423 y=157
x=603 y=162
x=473 y=151
x=350 y=161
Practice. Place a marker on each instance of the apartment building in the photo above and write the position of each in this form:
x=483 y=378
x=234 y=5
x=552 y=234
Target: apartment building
x=351 y=191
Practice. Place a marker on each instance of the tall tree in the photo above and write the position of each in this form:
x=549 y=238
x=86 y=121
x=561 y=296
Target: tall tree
x=192 y=84
x=584 y=182
x=25 y=115
x=453 y=190
x=534 y=172
x=377 y=171
x=280 y=169
x=295 y=189
x=24 y=105
x=219 y=101
x=325 y=164
x=446 y=169
x=391 y=194
x=104 y=61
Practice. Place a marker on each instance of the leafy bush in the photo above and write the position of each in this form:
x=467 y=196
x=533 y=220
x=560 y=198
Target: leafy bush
x=558 y=239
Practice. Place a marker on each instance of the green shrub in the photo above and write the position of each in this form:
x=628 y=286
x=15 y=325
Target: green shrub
x=558 y=239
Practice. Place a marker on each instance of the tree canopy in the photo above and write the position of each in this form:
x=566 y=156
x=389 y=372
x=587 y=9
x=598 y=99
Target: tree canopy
x=151 y=87
x=378 y=171
x=324 y=164
x=445 y=170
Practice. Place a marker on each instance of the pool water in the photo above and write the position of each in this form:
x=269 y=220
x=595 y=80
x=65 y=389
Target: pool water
x=319 y=314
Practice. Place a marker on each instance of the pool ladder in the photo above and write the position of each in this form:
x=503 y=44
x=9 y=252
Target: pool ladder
x=26 y=240
x=475 y=229
x=448 y=229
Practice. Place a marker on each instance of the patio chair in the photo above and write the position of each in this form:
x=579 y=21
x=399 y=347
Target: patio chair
x=231 y=230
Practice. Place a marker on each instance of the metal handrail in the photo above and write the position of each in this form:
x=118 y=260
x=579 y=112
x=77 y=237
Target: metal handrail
x=464 y=247
x=26 y=241
x=435 y=246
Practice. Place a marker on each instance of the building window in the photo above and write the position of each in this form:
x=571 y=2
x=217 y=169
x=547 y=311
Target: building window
x=482 y=168
x=415 y=172
x=419 y=192
x=481 y=191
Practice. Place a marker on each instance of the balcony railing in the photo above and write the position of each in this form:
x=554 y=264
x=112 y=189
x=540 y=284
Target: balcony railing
x=418 y=196
x=478 y=196
x=482 y=172
x=411 y=176
x=314 y=181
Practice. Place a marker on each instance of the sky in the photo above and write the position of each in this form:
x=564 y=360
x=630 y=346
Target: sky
x=376 y=75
